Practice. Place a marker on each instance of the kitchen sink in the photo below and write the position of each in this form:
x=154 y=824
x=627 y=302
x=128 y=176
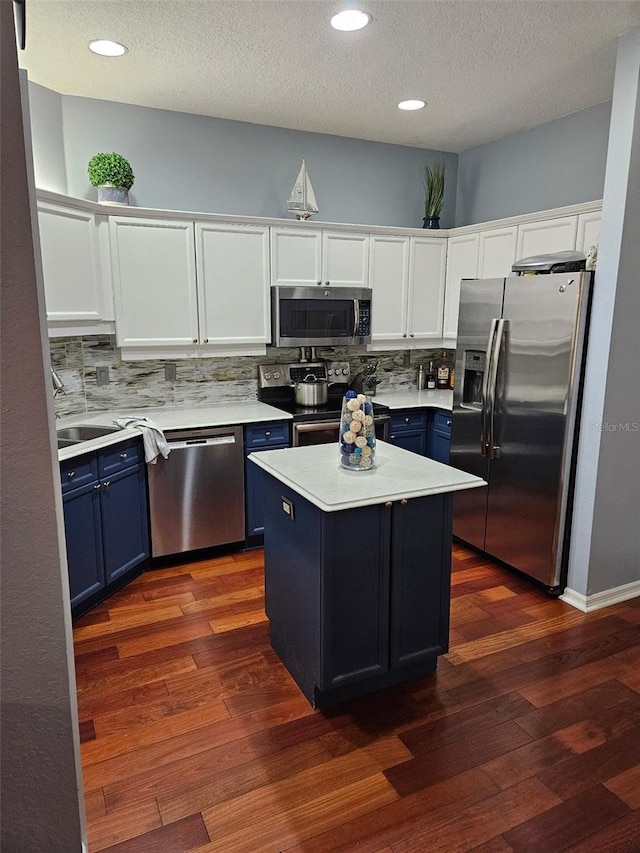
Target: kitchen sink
x=83 y=432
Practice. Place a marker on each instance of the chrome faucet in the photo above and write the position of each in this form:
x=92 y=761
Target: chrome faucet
x=58 y=384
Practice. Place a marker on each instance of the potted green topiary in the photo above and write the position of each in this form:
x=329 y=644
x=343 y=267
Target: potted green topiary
x=433 y=193
x=113 y=176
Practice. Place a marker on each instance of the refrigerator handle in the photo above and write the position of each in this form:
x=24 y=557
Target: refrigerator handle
x=485 y=389
x=491 y=389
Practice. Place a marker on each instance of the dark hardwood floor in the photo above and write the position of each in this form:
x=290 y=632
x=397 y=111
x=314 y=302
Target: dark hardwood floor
x=195 y=738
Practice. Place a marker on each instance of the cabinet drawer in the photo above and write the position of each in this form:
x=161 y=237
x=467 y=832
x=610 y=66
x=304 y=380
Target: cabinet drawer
x=442 y=421
x=120 y=456
x=408 y=419
x=79 y=471
x=266 y=435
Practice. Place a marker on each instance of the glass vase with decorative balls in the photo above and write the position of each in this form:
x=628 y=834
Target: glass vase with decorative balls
x=357 y=440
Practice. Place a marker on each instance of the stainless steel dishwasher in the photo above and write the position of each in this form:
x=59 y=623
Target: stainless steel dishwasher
x=196 y=495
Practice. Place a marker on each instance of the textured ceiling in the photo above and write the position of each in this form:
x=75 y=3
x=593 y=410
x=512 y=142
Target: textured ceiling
x=487 y=68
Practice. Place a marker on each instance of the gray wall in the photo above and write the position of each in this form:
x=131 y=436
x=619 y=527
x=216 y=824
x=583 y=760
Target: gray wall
x=187 y=162
x=48 y=139
x=606 y=541
x=40 y=771
x=552 y=165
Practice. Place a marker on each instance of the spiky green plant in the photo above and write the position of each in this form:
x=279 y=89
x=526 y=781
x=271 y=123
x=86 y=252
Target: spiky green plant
x=433 y=188
x=113 y=169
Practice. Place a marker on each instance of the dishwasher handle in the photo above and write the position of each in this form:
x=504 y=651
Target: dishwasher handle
x=201 y=442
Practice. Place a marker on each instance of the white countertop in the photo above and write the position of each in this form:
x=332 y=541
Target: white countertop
x=315 y=473
x=168 y=418
x=411 y=398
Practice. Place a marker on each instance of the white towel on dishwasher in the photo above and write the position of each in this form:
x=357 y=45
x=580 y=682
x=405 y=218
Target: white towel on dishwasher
x=155 y=444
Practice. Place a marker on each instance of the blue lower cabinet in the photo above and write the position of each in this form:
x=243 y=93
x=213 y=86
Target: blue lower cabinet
x=358 y=599
x=83 y=532
x=106 y=524
x=440 y=436
x=408 y=430
x=257 y=437
x=125 y=524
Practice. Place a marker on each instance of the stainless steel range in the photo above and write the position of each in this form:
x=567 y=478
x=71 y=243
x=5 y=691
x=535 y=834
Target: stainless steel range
x=313 y=424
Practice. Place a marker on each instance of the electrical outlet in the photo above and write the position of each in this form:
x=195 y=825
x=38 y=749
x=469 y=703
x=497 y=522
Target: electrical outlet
x=170 y=372
x=287 y=507
x=102 y=375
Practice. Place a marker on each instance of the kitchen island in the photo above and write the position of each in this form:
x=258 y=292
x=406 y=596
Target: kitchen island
x=357 y=567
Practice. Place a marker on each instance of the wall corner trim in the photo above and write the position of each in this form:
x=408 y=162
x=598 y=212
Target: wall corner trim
x=598 y=600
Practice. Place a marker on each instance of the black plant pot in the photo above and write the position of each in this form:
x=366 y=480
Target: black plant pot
x=431 y=222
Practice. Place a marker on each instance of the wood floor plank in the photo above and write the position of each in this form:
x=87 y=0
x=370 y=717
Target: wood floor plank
x=412 y=815
x=626 y=786
x=455 y=756
x=621 y=836
x=179 y=837
x=123 y=825
x=482 y=821
x=567 y=823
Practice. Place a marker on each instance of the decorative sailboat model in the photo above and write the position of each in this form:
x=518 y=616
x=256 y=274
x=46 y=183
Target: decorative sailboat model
x=302 y=201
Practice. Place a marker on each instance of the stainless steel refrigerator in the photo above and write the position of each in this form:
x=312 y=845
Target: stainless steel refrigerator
x=519 y=363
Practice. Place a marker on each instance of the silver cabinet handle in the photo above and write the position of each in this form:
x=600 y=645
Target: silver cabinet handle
x=206 y=340
x=392 y=435
x=123 y=456
x=319 y=283
x=97 y=487
x=388 y=504
x=71 y=474
x=267 y=434
x=107 y=484
x=404 y=501
x=449 y=423
x=406 y=420
x=404 y=334
x=411 y=335
x=327 y=283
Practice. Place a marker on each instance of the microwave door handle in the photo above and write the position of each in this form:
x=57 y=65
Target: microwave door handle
x=485 y=389
x=356 y=317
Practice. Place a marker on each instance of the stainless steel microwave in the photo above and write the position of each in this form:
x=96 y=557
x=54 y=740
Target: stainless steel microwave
x=314 y=316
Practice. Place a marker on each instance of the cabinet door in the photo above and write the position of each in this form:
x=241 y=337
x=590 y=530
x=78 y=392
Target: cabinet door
x=345 y=259
x=389 y=278
x=497 y=252
x=420 y=579
x=74 y=283
x=254 y=494
x=296 y=256
x=355 y=595
x=462 y=262
x=550 y=235
x=588 y=230
x=154 y=276
x=440 y=446
x=413 y=440
x=426 y=288
x=233 y=283
x=125 y=526
x=83 y=533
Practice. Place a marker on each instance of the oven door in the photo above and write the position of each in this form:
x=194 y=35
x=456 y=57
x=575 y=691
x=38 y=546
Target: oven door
x=326 y=432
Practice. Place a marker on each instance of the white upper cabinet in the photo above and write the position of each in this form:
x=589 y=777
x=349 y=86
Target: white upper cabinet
x=296 y=256
x=497 y=252
x=588 y=230
x=389 y=278
x=233 y=284
x=75 y=248
x=549 y=235
x=345 y=259
x=426 y=288
x=462 y=262
x=407 y=277
x=154 y=275
x=314 y=257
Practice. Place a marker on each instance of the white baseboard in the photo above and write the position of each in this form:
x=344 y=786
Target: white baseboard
x=598 y=600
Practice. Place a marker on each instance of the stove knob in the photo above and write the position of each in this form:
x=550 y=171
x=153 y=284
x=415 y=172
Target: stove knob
x=267 y=376
x=345 y=370
x=330 y=371
x=276 y=376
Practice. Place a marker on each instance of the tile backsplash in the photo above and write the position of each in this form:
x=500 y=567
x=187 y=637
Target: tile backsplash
x=137 y=384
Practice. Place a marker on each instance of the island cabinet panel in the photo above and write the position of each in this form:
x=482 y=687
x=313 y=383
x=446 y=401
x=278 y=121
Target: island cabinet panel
x=357 y=599
x=83 y=533
x=355 y=595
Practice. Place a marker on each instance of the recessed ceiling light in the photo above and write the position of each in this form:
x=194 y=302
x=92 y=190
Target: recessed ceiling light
x=350 y=19
x=106 y=47
x=411 y=105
